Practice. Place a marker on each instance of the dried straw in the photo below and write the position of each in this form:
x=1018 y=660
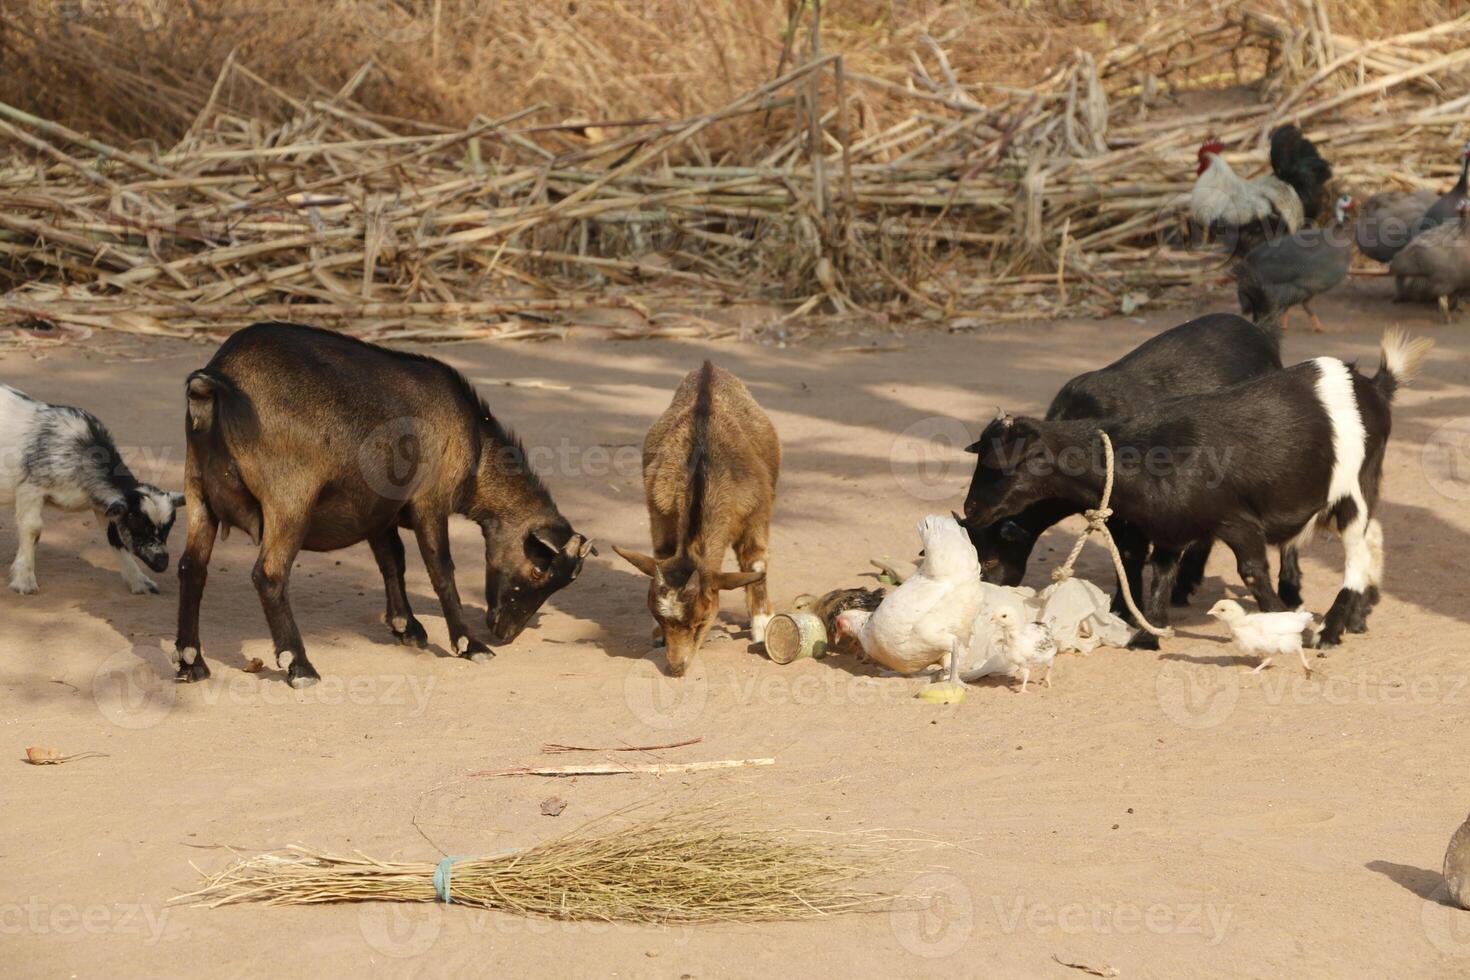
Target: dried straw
x=962 y=197
x=690 y=866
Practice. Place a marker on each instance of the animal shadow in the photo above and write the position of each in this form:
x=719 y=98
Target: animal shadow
x=1427 y=884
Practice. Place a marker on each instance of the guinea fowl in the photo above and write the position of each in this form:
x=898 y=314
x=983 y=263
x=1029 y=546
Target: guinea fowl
x=1390 y=220
x=1437 y=263
x=1387 y=221
x=1449 y=203
x=1280 y=274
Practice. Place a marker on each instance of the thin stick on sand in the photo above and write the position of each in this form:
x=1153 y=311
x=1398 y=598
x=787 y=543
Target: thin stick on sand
x=618 y=768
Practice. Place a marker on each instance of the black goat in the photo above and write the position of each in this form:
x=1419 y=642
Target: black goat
x=1259 y=463
x=1205 y=354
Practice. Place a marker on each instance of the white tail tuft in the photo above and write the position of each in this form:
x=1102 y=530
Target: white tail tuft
x=1403 y=355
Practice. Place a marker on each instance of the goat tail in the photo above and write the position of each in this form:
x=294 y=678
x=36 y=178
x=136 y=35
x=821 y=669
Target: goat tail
x=200 y=389
x=1401 y=356
x=217 y=407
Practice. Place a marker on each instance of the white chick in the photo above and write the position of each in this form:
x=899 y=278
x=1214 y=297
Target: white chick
x=1023 y=646
x=930 y=616
x=1264 y=635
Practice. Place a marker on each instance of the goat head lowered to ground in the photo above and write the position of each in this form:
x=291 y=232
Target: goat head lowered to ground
x=710 y=464
x=1263 y=462
x=1207 y=353
x=64 y=457
x=306 y=439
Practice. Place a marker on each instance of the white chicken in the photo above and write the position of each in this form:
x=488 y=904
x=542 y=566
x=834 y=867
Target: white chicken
x=1248 y=211
x=1022 y=647
x=930 y=616
x=1264 y=635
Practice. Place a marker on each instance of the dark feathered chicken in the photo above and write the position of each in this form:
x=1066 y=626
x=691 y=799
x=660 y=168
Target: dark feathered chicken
x=1287 y=272
x=1295 y=160
x=838 y=601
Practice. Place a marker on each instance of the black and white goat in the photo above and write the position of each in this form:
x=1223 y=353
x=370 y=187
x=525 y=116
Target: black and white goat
x=62 y=456
x=1262 y=462
x=1207 y=353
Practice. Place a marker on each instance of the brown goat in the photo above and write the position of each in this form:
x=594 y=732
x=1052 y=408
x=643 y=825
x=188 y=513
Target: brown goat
x=710 y=464
x=306 y=439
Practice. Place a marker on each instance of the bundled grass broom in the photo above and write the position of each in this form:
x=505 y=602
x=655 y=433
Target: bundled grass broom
x=689 y=866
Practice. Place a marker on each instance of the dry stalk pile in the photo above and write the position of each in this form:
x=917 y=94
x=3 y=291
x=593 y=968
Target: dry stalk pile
x=985 y=200
x=689 y=867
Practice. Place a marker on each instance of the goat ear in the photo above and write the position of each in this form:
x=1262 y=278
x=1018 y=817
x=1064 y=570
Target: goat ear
x=542 y=536
x=973 y=447
x=1024 y=428
x=177 y=499
x=1013 y=532
x=737 y=580
x=115 y=508
x=644 y=563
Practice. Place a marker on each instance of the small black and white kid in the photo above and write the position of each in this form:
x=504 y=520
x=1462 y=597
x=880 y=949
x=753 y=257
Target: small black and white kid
x=62 y=456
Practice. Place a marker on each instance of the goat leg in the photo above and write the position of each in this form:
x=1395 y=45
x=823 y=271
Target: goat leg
x=750 y=552
x=193 y=573
x=28 y=506
x=388 y=550
x=280 y=542
x=433 y=537
x=1165 y=564
x=1191 y=571
x=137 y=580
x=1362 y=559
x=1289 y=583
x=1133 y=549
x=1249 y=546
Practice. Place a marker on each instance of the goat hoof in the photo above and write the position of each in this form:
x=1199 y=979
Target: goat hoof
x=25 y=588
x=189 y=673
x=1143 y=640
x=413 y=634
x=1324 y=640
x=303 y=678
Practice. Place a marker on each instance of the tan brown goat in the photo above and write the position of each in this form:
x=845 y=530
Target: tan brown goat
x=710 y=464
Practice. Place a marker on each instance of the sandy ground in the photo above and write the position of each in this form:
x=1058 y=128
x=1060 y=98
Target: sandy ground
x=1165 y=815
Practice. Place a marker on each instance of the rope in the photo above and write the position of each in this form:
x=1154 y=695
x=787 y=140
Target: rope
x=442 y=876
x=1097 y=520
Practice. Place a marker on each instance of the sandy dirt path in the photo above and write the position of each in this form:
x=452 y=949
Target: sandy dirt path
x=1163 y=814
